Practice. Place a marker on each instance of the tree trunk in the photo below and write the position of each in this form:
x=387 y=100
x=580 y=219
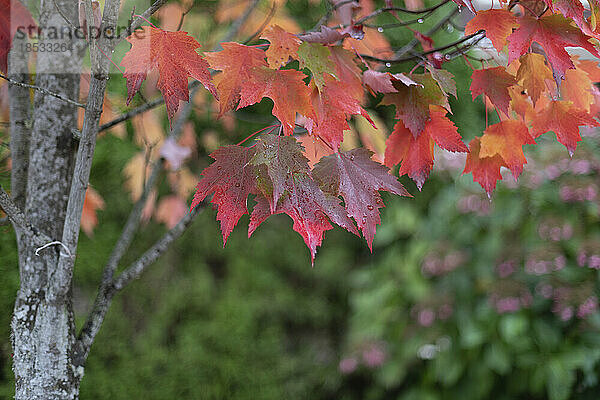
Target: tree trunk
x=43 y=330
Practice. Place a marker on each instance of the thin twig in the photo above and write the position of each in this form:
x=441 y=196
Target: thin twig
x=183 y=16
x=263 y=25
x=42 y=90
x=420 y=55
x=135 y=269
x=141 y=19
x=325 y=18
x=404 y=10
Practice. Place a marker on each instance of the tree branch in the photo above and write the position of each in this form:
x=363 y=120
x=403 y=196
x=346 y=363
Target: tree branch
x=135 y=270
x=20 y=121
x=60 y=280
x=42 y=90
x=19 y=220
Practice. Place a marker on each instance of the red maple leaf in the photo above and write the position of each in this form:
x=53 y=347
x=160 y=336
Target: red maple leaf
x=289 y=188
x=383 y=82
x=506 y=139
x=333 y=106
x=174 y=55
x=564 y=120
x=412 y=102
x=231 y=178
x=416 y=154
x=358 y=179
x=486 y=170
x=13 y=16
x=347 y=71
x=493 y=83
x=246 y=80
x=553 y=33
x=237 y=63
x=497 y=23
x=572 y=9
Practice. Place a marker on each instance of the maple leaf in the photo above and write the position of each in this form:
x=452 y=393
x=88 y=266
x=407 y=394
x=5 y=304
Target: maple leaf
x=412 y=102
x=283 y=158
x=506 y=139
x=309 y=208
x=564 y=120
x=521 y=103
x=416 y=154
x=493 y=83
x=577 y=87
x=315 y=57
x=347 y=71
x=534 y=73
x=314 y=148
x=382 y=82
x=237 y=63
x=93 y=201
x=591 y=68
x=553 y=33
x=333 y=105
x=283 y=46
x=358 y=179
x=287 y=90
x=572 y=9
x=174 y=55
x=497 y=23
x=445 y=79
x=232 y=178
x=486 y=170
x=291 y=190
x=13 y=16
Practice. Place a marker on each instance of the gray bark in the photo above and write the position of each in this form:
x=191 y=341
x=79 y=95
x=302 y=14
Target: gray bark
x=43 y=330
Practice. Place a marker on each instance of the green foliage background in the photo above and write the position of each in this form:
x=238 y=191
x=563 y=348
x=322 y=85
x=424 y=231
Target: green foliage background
x=253 y=320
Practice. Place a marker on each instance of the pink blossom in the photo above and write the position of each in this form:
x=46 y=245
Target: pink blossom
x=348 y=365
x=373 y=356
x=426 y=317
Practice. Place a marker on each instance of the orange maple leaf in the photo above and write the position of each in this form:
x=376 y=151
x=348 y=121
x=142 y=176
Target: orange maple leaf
x=534 y=73
x=333 y=106
x=286 y=88
x=493 y=83
x=174 y=55
x=506 y=139
x=577 y=87
x=237 y=62
x=564 y=120
x=497 y=23
x=283 y=46
x=486 y=170
x=93 y=201
x=416 y=154
x=553 y=33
